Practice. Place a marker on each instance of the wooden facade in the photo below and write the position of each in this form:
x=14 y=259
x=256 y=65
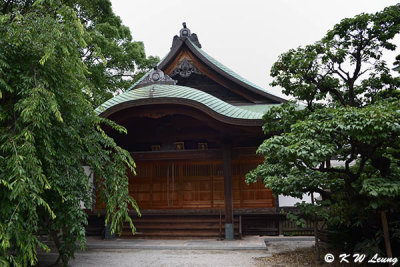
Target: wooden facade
x=195 y=184
x=193 y=133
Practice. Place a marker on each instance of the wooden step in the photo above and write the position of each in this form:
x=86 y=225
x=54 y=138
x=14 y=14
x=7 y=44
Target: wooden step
x=180 y=219
x=190 y=232
x=169 y=226
x=175 y=234
x=178 y=226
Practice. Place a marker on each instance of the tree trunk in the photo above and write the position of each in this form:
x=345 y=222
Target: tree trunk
x=317 y=252
x=386 y=234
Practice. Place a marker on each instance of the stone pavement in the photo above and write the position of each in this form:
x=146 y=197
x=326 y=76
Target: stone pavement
x=247 y=243
x=201 y=252
x=273 y=244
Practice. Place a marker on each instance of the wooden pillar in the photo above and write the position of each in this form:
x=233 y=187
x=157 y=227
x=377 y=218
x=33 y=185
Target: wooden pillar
x=107 y=232
x=278 y=215
x=228 y=194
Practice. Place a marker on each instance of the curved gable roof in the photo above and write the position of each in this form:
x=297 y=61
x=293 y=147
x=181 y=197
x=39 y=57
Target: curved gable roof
x=175 y=94
x=214 y=65
x=230 y=74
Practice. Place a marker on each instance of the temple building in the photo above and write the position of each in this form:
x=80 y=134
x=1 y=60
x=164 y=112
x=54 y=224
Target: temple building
x=193 y=129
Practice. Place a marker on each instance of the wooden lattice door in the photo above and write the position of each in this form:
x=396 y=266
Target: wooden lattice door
x=190 y=184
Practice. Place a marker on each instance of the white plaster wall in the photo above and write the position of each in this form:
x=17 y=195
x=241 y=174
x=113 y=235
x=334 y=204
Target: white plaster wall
x=287 y=201
x=89 y=173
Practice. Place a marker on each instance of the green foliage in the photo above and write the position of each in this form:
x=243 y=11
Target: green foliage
x=343 y=143
x=58 y=60
x=397 y=63
x=112 y=59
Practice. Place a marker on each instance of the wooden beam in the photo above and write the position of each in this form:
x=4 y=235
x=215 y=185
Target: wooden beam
x=177 y=155
x=242 y=153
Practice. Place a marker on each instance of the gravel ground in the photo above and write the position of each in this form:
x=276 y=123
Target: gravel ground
x=275 y=247
x=304 y=257
x=190 y=256
x=142 y=258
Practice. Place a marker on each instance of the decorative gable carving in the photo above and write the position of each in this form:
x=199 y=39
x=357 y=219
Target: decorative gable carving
x=185 y=68
x=156 y=76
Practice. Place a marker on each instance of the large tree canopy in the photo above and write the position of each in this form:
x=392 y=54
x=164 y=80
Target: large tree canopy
x=58 y=60
x=343 y=141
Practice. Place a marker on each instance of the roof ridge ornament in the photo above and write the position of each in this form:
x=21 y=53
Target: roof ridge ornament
x=156 y=76
x=185 y=33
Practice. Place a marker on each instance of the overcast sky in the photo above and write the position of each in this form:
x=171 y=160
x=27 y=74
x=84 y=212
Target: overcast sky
x=246 y=36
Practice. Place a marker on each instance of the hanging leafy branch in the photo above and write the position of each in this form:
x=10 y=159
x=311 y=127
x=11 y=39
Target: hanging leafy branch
x=56 y=62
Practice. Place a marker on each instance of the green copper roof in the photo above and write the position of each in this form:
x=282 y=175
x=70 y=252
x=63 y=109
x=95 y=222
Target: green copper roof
x=138 y=81
x=218 y=66
x=165 y=91
x=259 y=108
x=227 y=70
